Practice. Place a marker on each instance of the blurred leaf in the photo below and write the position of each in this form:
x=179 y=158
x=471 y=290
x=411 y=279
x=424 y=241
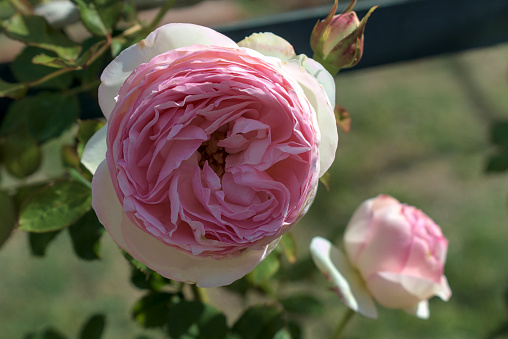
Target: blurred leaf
x=295 y=329
x=23 y=192
x=302 y=269
x=25 y=71
x=94 y=327
x=499 y=133
x=151 y=281
x=498 y=162
x=99 y=16
x=288 y=244
x=342 y=117
x=55 y=206
x=48 y=333
x=325 y=180
x=305 y=304
x=153 y=309
x=8 y=215
x=39 y=242
x=14 y=91
x=500 y=332
x=85 y=235
x=266 y=269
x=35 y=31
x=137 y=264
x=193 y=319
x=259 y=322
x=46 y=114
x=21 y=154
x=283 y=333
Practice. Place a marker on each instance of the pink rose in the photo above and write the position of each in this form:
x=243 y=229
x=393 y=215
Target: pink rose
x=395 y=254
x=212 y=150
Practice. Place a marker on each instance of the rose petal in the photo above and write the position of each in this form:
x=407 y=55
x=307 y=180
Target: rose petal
x=163 y=39
x=400 y=291
x=347 y=282
x=106 y=205
x=318 y=98
x=166 y=260
x=421 y=310
x=269 y=44
x=95 y=150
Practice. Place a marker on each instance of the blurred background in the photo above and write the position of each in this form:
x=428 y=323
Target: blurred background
x=421 y=131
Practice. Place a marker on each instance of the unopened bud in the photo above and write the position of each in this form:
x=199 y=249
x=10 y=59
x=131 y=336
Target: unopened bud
x=337 y=41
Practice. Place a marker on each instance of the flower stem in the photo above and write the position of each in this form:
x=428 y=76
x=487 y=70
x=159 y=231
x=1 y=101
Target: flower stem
x=200 y=294
x=345 y=319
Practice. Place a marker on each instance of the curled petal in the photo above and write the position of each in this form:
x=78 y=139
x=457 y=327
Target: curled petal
x=269 y=44
x=347 y=282
x=163 y=39
x=166 y=260
x=421 y=310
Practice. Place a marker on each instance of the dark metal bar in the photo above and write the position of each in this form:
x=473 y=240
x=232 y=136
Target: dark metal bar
x=398 y=30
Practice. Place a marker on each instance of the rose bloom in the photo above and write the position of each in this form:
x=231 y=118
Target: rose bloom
x=212 y=150
x=395 y=255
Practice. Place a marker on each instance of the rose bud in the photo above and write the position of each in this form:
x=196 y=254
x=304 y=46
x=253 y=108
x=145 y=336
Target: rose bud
x=212 y=150
x=395 y=254
x=337 y=41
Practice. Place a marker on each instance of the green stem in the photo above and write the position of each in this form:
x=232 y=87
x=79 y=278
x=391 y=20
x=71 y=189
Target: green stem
x=345 y=319
x=200 y=294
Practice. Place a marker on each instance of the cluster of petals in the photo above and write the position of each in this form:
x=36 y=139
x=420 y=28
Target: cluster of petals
x=395 y=255
x=212 y=149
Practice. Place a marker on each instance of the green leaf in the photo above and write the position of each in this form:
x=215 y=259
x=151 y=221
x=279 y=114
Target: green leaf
x=99 y=17
x=193 y=319
x=259 y=322
x=39 y=242
x=153 y=309
x=25 y=71
x=266 y=269
x=21 y=154
x=137 y=264
x=305 y=304
x=35 y=31
x=85 y=236
x=94 y=327
x=498 y=162
x=151 y=281
x=55 y=206
x=499 y=133
x=47 y=114
x=48 y=333
x=288 y=244
x=14 y=91
x=283 y=333
x=8 y=215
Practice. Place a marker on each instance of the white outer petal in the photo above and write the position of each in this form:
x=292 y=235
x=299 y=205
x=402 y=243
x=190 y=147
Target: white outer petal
x=95 y=150
x=163 y=39
x=318 y=97
x=269 y=44
x=165 y=260
x=336 y=268
x=421 y=310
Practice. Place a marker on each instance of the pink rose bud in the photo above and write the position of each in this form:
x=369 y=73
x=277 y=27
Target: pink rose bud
x=337 y=41
x=395 y=255
x=212 y=150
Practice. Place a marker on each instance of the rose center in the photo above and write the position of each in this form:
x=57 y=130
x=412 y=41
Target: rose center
x=214 y=154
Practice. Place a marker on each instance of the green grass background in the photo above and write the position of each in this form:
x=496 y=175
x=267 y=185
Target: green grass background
x=419 y=132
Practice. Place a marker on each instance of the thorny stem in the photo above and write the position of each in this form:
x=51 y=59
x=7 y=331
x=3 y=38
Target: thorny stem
x=345 y=320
